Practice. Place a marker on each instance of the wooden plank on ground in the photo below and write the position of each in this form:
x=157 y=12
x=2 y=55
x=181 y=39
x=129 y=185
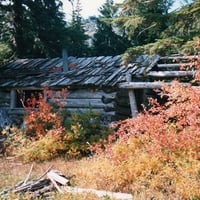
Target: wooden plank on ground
x=99 y=193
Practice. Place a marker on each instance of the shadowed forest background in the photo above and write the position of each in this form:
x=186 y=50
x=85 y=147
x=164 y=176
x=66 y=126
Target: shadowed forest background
x=33 y=29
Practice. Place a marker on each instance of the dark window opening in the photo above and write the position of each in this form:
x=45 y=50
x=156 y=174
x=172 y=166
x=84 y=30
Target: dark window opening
x=24 y=97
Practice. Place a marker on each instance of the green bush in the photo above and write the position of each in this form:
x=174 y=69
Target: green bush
x=70 y=137
x=83 y=130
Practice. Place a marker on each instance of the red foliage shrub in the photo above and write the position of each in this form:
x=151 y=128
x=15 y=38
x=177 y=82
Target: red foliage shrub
x=172 y=127
x=41 y=116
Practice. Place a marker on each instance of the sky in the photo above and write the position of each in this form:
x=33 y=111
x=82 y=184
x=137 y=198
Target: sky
x=90 y=7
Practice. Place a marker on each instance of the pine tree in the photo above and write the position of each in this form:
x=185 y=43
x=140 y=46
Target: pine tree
x=185 y=23
x=144 y=20
x=37 y=28
x=77 y=45
x=108 y=40
x=49 y=27
x=181 y=36
x=6 y=52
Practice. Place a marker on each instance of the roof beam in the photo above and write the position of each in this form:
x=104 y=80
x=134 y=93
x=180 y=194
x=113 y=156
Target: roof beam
x=147 y=85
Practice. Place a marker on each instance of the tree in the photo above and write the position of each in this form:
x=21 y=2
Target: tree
x=185 y=23
x=18 y=27
x=37 y=28
x=144 y=20
x=5 y=36
x=179 y=34
x=107 y=40
x=5 y=52
x=77 y=44
x=49 y=27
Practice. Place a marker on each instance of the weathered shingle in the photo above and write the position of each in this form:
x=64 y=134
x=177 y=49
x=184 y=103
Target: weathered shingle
x=97 y=71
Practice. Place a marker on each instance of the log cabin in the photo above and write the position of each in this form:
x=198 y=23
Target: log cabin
x=102 y=84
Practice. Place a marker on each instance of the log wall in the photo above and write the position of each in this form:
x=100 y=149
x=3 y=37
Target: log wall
x=98 y=100
x=4 y=99
x=78 y=100
x=111 y=104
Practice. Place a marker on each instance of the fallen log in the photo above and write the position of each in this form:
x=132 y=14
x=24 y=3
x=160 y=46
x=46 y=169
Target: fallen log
x=55 y=180
x=99 y=193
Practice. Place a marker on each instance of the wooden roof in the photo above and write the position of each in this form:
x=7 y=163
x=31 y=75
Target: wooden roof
x=103 y=71
x=91 y=71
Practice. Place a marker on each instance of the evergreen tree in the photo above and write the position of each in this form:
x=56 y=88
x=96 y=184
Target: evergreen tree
x=49 y=28
x=144 y=20
x=107 y=40
x=182 y=36
x=185 y=23
x=37 y=28
x=5 y=35
x=77 y=45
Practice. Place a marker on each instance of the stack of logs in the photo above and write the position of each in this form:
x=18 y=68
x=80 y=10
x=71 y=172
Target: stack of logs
x=41 y=186
x=53 y=180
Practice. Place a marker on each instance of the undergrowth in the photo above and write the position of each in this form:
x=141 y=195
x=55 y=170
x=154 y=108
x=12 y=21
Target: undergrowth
x=158 y=151
x=49 y=132
x=155 y=155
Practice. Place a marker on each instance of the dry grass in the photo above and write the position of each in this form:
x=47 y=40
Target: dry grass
x=89 y=173
x=12 y=172
x=100 y=173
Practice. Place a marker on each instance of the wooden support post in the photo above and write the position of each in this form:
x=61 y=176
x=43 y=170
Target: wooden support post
x=132 y=98
x=13 y=98
x=65 y=60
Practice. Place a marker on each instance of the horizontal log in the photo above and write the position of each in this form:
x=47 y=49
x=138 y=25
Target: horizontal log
x=171 y=73
x=87 y=94
x=99 y=193
x=83 y=110
x=147 y=85
x=174 y=65
x=82 y=103
x=85 y=103
x=5 y=95
x=14 y=111
x=178 y=57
